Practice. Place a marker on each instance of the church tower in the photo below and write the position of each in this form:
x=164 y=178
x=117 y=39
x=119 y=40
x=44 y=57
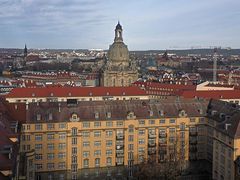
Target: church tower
x=25 y=52
x=119 y=70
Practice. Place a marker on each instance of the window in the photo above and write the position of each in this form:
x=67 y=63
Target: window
x=38 y=166
x=38 y=127
x=182 y=126
x=109 y=143
x=74 y=150
x=85 y=134
x=38 y=137
x=141 y=150
x=38 y=117
x=151 y=122
x=50 y=146
x=141 y=132
x=172 y=121
x=62 y=146
x=162 y=121
x=97 y=143
x=50 y=126
x=97 y=153
x=192 y=119
x=109 y=133
x=86 y=144
x=74 y=131
x=97 y=133
x=50 y=156
x=141 y=122
x=38 y=146
x=50 y=136
x=86 y=124
x=61 y=165
x=96 y=114
x=141 y=141
x=130 y=138
x=172 y=131
x=86 y=154
x=109 y=161
x=50 y=165
x=97 y=124
x=97 y=162
x=109 y=123
x=85 y=163
x=50 y=116
x=108 y=152
x=74 y=159
x=202 y=120
x=62 y=136
x=74 y=141
x=62 y=125
x=108 y=115
x=38 y=156
x=62 y=155
x=130 y=147
x=131 y=129
x=119 y=123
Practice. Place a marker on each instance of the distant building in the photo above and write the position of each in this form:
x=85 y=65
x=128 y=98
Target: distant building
x=119 y=70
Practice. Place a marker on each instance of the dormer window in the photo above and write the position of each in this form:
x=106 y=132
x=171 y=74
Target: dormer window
x=51 y=94
x=200 y=111
x=96 y=114
x=69 y=94
x=161 y=113
x=150 y=113
x=38 y=117
x=109 y=115
x=50 y=117
x=74 y=117
x=182 y=113
x=33 y=94
x=131 y=115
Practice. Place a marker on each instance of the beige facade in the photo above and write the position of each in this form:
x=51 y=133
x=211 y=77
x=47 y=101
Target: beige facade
x=73 y=143
x=119 y=70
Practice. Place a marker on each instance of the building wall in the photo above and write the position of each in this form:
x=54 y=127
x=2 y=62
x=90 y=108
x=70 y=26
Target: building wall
x=122 y=142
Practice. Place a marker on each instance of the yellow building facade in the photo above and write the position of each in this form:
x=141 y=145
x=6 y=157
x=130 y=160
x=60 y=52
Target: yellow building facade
x=76 y=146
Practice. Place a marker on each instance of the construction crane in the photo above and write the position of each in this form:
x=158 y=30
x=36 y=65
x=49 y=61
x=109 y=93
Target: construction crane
x=215 y=57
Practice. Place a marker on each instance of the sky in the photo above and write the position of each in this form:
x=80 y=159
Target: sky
x=147 y=24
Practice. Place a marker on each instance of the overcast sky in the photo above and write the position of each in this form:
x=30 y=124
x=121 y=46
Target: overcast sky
x=147 y=24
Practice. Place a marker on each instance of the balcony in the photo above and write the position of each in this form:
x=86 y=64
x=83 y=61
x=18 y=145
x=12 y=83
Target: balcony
x=162 y=135
x=151 y=152
x=193 y=133
x=152 y=136
x=119 y=147
x=119 y=154
x=120 y=151
x=151 y=144
x=119 y=142
x=120 y=137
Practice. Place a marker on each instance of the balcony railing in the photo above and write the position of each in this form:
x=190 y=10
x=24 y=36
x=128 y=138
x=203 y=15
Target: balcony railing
x=119 y=154
x=151 y=144
x=119 y=147
x=162 y=135
x=119 y=142
x=152 y=135
x=120 y=137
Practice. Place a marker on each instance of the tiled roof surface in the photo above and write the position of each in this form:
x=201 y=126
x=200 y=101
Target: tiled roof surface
x=62 y=111
x=74 y=92
x=218 y=94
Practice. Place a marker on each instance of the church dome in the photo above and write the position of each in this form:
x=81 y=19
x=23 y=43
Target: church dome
x=118 y=52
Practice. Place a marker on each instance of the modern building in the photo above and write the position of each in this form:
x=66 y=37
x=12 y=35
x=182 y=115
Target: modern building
x=119 y=70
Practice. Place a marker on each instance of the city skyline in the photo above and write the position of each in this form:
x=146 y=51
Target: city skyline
x=146 y=25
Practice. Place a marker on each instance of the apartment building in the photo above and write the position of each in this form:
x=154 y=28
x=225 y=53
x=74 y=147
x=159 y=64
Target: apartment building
x=91 y=139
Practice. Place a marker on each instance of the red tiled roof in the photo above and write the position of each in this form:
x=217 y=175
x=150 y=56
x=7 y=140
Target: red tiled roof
x=225 y=94
x=169 y=86
x=74 y=92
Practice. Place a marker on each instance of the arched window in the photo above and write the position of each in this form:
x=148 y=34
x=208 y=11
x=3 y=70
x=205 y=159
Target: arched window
x=109 y=161
x=97 y=162
x=74 y=131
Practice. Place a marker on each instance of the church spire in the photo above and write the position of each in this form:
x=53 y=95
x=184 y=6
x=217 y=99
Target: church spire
x=118 y=33
x=25 y=51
